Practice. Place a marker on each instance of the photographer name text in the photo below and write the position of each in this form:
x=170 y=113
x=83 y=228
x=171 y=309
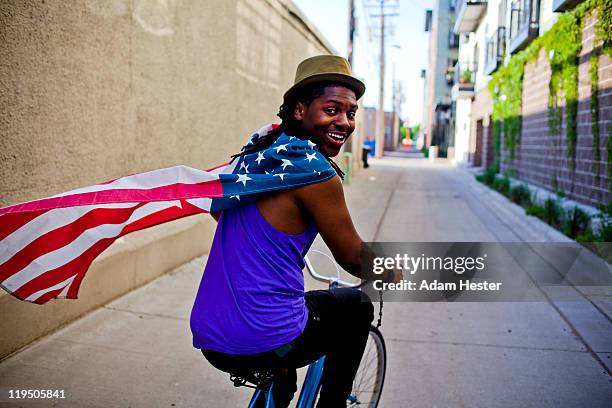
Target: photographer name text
x=435 y=285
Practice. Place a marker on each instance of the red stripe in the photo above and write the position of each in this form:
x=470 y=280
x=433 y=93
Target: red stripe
x=81 y=264
x=48 y=296
x=60 y=274
x=62 y=236
x=149 y=221
x=73 y=290
x=168 y=214
x=177 y=191
x=9 y=223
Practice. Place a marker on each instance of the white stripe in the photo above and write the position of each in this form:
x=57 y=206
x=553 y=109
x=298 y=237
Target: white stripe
x=34 y=296
x=44 y=223
x=64 y=292
x=88 y=238
x=223 y=169
x=229 y=169
x=203 y=203
x=151 y=179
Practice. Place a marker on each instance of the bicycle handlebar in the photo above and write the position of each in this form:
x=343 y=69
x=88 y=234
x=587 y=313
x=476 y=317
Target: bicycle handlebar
x=328 y=279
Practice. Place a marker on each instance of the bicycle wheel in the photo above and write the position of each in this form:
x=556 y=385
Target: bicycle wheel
x=368 y=383
x=370 y=377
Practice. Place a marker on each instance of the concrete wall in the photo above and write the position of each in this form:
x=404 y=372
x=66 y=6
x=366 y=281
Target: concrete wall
x=462 y=130
x=92 y=90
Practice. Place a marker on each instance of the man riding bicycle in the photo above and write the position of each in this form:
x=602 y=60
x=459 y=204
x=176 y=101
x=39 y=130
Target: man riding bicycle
x=251 y=311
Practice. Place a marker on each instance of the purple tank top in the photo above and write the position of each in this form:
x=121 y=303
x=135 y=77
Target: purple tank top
x=251 y=297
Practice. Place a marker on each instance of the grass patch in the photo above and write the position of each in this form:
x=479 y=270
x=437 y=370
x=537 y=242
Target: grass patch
x=575 y=222
x=521 y=195
x=502 y=185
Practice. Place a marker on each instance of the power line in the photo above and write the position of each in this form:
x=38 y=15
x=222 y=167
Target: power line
x=370 y=56
x=380 y=122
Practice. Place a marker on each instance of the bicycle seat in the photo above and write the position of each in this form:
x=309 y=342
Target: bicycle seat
x=257 y=377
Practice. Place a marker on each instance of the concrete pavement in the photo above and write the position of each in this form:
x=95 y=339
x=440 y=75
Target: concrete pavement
x=136 y=351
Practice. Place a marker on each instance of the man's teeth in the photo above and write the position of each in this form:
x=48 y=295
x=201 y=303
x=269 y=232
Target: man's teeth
x=335 y=136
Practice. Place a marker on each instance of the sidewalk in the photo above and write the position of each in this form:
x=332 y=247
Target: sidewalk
x=137 y=352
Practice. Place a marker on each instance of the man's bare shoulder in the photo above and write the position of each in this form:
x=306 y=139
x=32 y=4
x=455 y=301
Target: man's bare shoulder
x=333 y=186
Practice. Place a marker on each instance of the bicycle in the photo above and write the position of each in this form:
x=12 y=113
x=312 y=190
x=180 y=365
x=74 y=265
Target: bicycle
x=369 y=380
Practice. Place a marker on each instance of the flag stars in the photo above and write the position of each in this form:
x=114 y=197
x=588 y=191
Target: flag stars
x=243 y=178
x=311 y=157
x=311 y=144
x=281 y=175
x=281 y=147
x=260 y=157
x=245 y=167
x=237 y=197
x=286 y=162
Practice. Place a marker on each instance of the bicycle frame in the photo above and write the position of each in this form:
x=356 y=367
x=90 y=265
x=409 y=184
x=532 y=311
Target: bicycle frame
x=256 y=395
x=311 y=384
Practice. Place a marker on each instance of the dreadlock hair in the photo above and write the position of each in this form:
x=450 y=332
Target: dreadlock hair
x=289 y=124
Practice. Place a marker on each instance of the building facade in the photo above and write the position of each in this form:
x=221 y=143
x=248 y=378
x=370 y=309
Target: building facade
x=368 y=129
x=494 y=31
x=443 y=48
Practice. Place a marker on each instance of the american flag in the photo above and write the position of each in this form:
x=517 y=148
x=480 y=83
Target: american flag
x=47 y=245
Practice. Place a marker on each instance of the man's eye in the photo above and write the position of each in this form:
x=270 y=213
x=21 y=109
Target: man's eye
x=351 y=115
x=331 y=111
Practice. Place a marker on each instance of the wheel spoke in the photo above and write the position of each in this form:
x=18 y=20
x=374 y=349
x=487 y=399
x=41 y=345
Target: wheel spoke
x=367 y=386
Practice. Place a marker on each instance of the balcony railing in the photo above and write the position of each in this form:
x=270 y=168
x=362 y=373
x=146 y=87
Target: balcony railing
x=563 y=5
x=468 y=14
x=464 y=76
x=453 y=40
x=495 y=51
x=524 y=23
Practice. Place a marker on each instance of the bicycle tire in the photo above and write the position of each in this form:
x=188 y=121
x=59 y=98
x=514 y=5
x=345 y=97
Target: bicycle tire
x=368 y=393
x=370 y=378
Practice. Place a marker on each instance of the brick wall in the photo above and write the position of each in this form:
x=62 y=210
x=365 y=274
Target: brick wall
x=542 y=157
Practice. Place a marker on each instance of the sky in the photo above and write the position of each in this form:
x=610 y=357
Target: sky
x=331 y=19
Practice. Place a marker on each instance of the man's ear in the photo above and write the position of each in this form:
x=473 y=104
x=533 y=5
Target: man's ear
x=299 y=111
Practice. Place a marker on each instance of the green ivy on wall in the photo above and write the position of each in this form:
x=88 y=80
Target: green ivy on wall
x=603 y=27
x=603 y=33
x=609 y=154
x=594 y=108
x=562 y=43
x=507 y=91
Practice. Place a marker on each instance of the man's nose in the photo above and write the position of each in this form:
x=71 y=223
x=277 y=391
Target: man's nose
x=342 y=121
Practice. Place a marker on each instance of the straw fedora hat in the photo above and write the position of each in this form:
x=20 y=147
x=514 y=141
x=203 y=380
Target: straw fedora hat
x=326 y=68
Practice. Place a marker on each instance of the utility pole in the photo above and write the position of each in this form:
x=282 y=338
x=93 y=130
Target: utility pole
x=380 y=117
x=380 y=122
x=351 y=31
x=394 y=89
x=348 y=146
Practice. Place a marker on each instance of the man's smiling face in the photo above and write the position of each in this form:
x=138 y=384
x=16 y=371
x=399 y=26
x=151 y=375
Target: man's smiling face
x=329 y=119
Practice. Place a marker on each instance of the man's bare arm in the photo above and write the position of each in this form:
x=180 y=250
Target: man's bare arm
x=325 y=203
